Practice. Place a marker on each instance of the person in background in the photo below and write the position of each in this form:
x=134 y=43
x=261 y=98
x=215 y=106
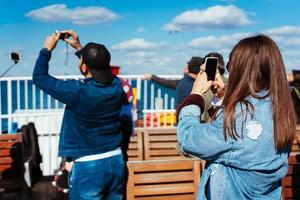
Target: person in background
x=212 y=97
x=246 y=146
x=294 y=85
x=90 y=133
x=184 y=86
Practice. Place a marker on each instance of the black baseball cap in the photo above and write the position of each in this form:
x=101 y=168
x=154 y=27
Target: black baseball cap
x=97 y=59
x=195 y=61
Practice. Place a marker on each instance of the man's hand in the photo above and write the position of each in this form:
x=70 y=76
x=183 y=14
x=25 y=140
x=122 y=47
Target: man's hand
x=147 y=76
x=74 y=40
x=51 y=41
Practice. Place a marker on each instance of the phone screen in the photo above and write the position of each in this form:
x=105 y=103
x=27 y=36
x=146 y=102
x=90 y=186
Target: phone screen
x=211 y=67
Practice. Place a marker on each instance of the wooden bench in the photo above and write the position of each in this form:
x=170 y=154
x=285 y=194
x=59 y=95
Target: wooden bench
x=160 y=144
x=163 y=180
x=135 y=149
x=11 y=154
x=291 y=182
x=12 y=166
x=296 y=144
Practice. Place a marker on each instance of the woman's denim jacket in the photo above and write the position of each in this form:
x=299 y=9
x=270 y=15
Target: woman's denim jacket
x=247 y=168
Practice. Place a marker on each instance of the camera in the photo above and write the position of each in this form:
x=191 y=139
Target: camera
x=63 y=35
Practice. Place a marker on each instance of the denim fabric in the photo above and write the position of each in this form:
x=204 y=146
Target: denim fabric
x=247 y=168
x=97 y=180
x=91 y=122
x=184 y=88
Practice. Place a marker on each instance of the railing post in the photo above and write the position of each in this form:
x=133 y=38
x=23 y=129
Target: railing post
x=0 y=108
x=152 y=105
x=145 y=102
x=9 y=104
x=138 y=88
x=26 y=94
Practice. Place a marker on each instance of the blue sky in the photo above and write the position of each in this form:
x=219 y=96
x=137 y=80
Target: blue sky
x=151 y=36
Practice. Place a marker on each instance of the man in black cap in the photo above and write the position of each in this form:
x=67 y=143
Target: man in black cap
x=183 y=86
x=90 y=131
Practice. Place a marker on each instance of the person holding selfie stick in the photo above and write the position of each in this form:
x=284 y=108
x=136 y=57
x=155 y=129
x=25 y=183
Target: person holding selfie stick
x=246 y=147
x=90 y=132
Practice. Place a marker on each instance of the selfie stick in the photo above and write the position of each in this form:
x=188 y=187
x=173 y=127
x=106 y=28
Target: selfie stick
x=14 y=59
x=3 y=74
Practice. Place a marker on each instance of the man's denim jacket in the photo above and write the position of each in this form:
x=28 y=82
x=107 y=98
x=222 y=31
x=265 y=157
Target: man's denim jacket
x=93 y=113
x=247 y=168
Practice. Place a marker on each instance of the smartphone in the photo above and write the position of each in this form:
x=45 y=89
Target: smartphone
x=211 y=67
x=14 y=56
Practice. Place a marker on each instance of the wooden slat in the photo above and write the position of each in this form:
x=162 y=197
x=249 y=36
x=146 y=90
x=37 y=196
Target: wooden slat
x=294 y=169
x=296 y=147
x=134 y=138
x=8 y=145
x=5 y=167
x=132 y=158
x=160 y=165
x=133 y=145
x=156 y=189
x=165 y=177
x=164 y=152
x=132 y=153
x=294 y=159
x=168 y=197
x=197 y=173
x=293 y=193
x=6 y=137
x=292 y=181
x=161 y=145
x=6 y=160
x=4 y=152
x=163 y=137
x=166 y=157
x=160 y=130
x=135 y=149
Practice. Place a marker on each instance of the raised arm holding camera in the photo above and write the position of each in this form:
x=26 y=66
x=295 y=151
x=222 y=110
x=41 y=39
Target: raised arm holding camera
x=90 y=132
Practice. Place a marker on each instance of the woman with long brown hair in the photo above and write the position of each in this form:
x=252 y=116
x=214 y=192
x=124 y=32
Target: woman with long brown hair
x=246 y=146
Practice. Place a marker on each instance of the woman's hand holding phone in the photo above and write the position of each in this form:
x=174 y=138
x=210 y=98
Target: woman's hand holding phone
x=201 y=85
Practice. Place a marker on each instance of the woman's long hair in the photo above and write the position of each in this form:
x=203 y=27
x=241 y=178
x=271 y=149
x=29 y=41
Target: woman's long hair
x=255 y=64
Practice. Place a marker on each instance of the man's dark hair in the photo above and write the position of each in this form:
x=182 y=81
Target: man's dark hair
x=221 y=62
x=296 y=81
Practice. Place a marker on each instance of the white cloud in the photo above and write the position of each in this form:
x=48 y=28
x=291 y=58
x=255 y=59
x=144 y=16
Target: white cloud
x=154 y=61
x=217 y=42
x=77 y=15
x=223 y=17
x=287 y=36
x=142 y=54
x=284 y=31
x=138 y=44
x=140 y=29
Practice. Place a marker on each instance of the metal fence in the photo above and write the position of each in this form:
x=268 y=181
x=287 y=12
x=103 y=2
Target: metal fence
x=22 y=102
